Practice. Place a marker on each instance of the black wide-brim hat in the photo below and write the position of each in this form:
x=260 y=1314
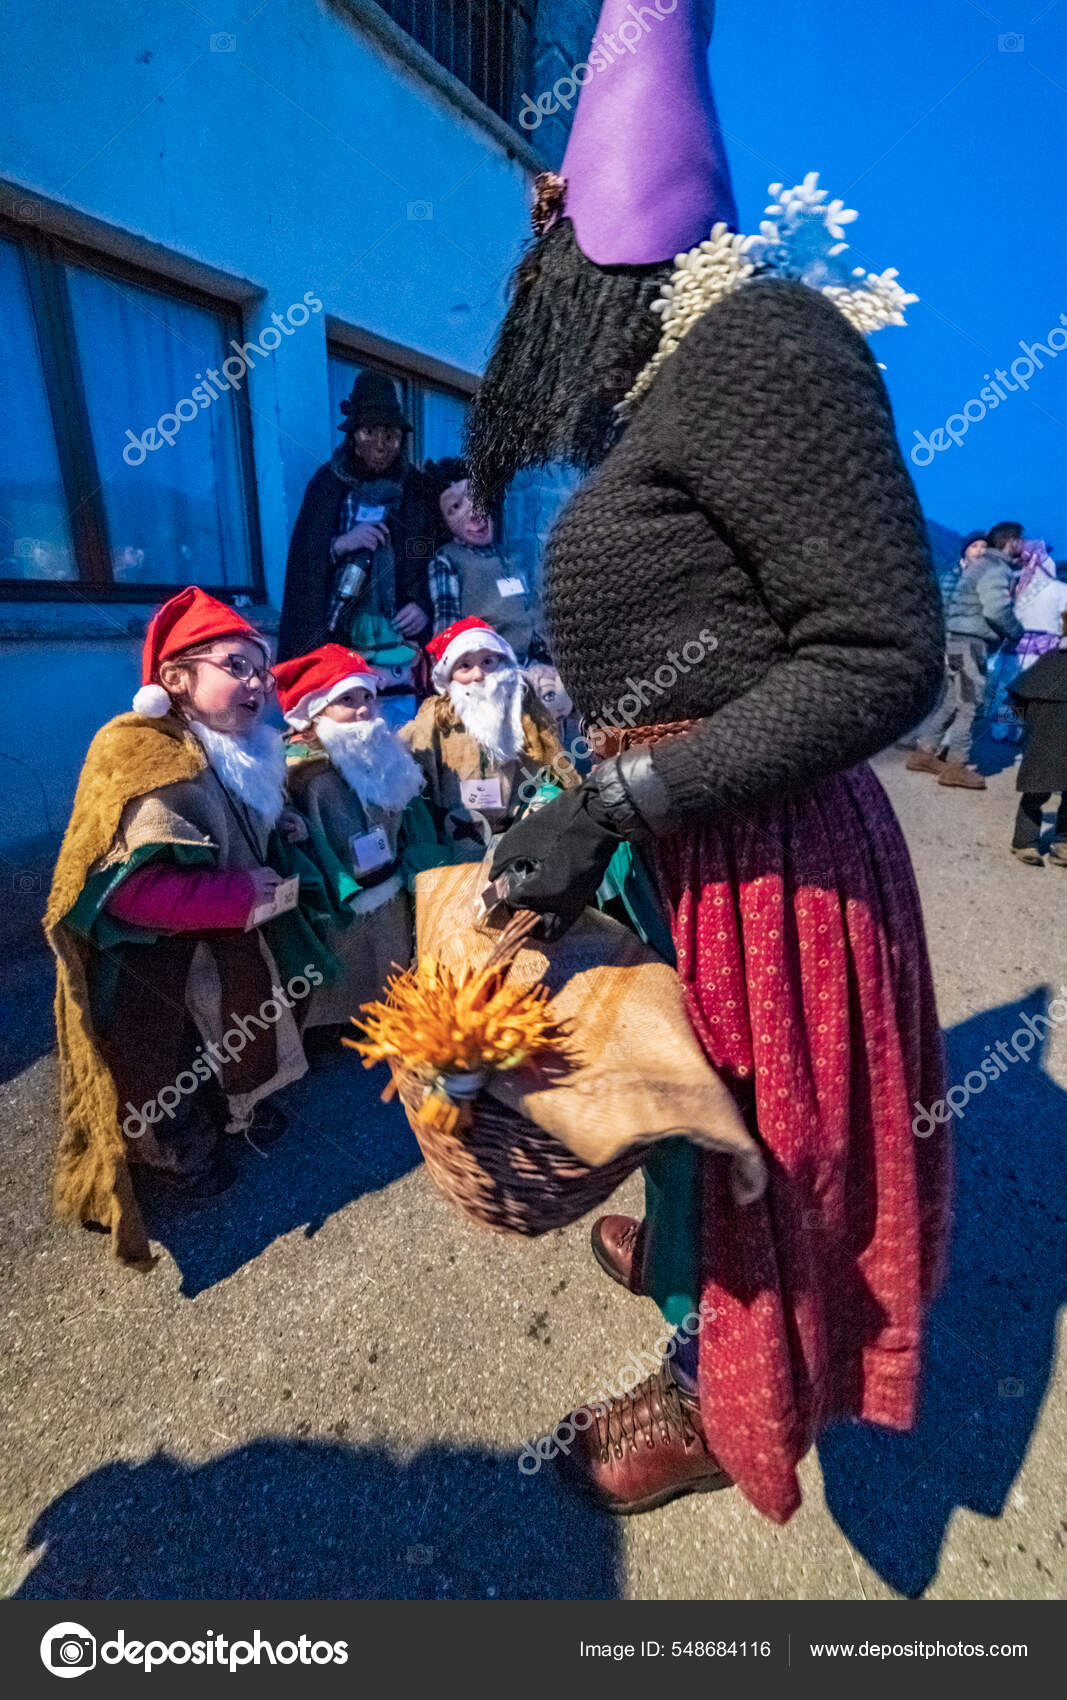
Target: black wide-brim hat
x=373 y=401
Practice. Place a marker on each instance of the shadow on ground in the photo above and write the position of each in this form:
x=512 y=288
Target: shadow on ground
x=342 y=1142
x=992 y=1332
x=27 y=968
x=283 y=1519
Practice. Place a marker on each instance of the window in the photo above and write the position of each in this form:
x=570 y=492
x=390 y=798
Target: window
x=35 y=539
x=485 y=43
x=437 y=415
x=125 y=467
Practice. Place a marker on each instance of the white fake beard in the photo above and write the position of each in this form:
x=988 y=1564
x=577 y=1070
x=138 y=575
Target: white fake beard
x=491 y=712
x=370 y=757
x=251 y=766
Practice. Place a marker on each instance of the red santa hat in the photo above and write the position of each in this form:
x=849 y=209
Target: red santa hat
x=188 y=621
x=309 y=683
x=462 y=638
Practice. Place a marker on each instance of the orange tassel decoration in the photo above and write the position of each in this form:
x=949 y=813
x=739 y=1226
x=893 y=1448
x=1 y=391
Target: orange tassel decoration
x=453 y=1027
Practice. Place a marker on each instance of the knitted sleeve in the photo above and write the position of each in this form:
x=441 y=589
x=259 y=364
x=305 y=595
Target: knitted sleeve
x=774 y=419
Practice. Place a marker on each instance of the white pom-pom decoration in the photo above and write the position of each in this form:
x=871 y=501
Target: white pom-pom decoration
x=801 y=237
x=153 y=701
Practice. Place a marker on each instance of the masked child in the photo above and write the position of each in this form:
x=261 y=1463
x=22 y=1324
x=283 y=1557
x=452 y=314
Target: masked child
x=173 y=928
x=469 y=574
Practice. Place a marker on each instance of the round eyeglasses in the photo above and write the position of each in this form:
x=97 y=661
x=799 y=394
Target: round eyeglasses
x=240 y=668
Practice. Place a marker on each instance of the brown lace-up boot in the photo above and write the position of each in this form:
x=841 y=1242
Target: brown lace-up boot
x=618 y=1243
x=640 y=1450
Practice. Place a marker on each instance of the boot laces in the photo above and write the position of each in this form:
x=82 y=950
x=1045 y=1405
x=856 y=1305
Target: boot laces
x=628 y=1237
x=653 y=1410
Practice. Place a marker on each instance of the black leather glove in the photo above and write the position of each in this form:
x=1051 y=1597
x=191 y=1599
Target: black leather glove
x=554 y=859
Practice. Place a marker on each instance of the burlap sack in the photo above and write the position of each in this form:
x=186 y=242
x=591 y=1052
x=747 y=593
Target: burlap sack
x=643 y=1076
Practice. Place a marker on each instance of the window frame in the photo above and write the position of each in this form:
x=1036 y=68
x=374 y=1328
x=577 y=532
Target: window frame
x=417 y=375
x=44 y=256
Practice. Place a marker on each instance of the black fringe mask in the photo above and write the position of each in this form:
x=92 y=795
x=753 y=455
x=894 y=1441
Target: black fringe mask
x=573 y=341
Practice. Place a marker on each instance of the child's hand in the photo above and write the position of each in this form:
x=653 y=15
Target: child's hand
x=264 y=884
x=410 y=620
x=292 y=826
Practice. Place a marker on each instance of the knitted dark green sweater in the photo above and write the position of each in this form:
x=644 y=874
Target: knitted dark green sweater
x=752 y=555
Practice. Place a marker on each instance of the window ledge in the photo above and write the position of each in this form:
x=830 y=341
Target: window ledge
x=74 y=622
x=416 y=57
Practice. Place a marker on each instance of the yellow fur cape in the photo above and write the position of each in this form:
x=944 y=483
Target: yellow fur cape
x=129 y=757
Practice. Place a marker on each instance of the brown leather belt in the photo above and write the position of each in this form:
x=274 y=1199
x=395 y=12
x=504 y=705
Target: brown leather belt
x=608 y=741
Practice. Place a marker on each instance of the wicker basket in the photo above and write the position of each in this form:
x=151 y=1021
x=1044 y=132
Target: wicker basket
x=501 y=1169
x=505 y=1172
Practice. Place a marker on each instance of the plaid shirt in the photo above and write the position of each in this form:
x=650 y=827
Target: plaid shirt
x=445 y=591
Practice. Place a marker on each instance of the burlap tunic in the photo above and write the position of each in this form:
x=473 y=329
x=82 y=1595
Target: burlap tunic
x=146 y=790
x=371 y=934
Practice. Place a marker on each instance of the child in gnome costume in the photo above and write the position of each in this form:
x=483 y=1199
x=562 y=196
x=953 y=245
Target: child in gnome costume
x=174 y=931
x=482 y=740
x=357 y=786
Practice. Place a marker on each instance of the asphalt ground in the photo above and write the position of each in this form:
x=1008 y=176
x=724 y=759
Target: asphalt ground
x=322 y=1389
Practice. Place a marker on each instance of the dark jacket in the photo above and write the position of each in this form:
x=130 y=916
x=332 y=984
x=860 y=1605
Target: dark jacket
x=981 y=604
x=717 y=566
x=1041 y=693
x=415 y=528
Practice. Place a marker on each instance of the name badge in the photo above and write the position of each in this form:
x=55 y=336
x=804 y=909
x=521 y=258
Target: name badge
x=285 y=898
x=481 y=793
x=370 y=850
x=367 y=514
x=511 y=586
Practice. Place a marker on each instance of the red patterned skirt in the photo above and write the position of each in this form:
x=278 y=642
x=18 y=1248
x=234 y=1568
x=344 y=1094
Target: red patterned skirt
x=800 y=945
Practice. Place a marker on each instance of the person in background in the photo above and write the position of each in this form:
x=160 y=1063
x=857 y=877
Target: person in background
x=1040 y=693
x=481 y=740
x=979 y=617
x=127 y=564
x=555 y=698
x=468 y=575
x=368 y=525
x=971 y=547
x=1040 y=602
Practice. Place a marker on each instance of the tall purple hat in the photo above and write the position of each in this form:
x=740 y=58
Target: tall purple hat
x=644 y=179
x=645 y=166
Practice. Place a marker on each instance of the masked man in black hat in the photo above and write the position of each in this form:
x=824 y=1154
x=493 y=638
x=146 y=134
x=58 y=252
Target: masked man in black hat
x=366 y=530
